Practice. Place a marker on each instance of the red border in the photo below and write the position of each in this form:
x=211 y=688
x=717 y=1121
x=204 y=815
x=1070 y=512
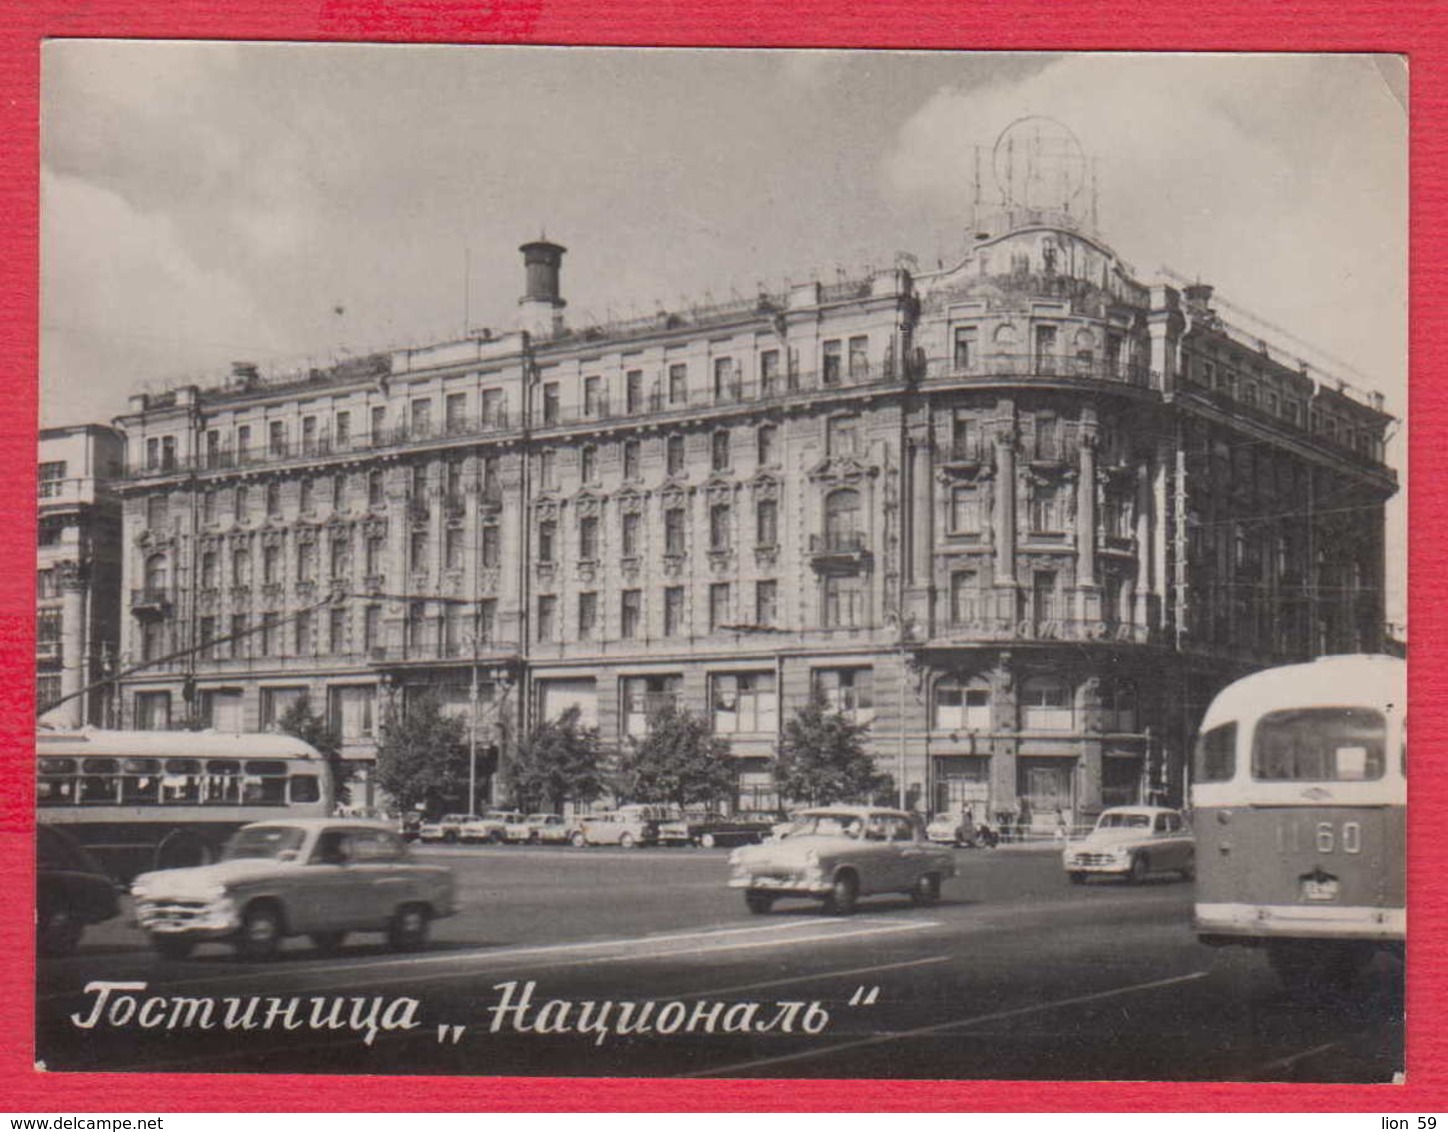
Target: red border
x=1307 y=25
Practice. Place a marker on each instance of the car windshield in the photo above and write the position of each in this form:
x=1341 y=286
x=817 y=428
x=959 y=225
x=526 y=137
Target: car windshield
x=268 y=842
x=826 y=825
x=1124 y=821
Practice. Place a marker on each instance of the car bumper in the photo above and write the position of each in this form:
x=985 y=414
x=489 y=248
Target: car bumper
x=800 y=885
x=214 y=920
x=1300 y=921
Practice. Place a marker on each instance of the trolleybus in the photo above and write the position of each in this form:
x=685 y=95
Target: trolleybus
x=1300 y=812
x=142 y=800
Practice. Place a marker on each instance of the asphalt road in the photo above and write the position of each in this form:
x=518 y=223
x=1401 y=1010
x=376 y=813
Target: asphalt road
x=1013 y=975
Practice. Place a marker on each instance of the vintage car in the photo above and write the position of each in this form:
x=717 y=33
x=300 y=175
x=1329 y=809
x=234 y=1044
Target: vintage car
x=71 y=891
x=491 y=827
x=710 y=829
x=615 y=827
x=320 y=877
x=447 y=828
x=838 y=854
x=549 y=829
x=1131 y=842
x=960 y=830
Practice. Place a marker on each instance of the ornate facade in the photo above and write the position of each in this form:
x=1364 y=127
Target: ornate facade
x=1024 y=515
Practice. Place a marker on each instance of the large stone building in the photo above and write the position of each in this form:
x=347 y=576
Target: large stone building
x=77 y=572
x=1024 y=515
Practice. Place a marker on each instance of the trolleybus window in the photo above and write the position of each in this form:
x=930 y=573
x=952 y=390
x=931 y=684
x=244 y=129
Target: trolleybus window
x=56 y=785
x=99 y=781
x=306 y=788
x=1217 y=754
x=181 y=785
x=1319 y=745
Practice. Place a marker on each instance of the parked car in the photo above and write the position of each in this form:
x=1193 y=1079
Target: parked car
x=71 y=892
x=709 y=829
x=837 y=854
x=409 y=824
x=1131 y=842
x=492 y=826
x=448 y=828
x=614 y=827
x=549 y=829
x=961 y=831
x=320 y=877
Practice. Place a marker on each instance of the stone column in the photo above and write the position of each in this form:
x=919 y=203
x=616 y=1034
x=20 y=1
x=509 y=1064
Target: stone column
x=73 y=660
x=1143 y=542
x=1088 y=592
x=920 y=504
x=1005 y=520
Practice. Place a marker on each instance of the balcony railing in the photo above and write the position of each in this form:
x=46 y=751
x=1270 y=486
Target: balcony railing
x=839 y=542
x=150 y=599
x=1042 y=629
x=1039 y=365
x=48 y=650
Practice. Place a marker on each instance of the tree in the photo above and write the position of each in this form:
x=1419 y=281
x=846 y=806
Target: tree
x=680 y=760
x=311 y=727
x=422 y=755
x=558 y=761
x=822 y=759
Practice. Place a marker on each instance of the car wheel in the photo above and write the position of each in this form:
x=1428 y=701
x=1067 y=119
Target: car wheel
x=450 y=836
x=578 y=840
x=261 y=932
x=1077 y=878
x=1140 y=866
x=1189 y=870
x=844 y=895
x=328 y=942
x=57 y=931
x=497 y=837
x=759 y=902
x=172 y=946
x=408 y=930
x=926 y=890
x=708 y=841
x=627 y=841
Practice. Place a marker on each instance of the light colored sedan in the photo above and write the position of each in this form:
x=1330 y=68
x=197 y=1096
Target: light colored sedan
x=837 y=854
x=320 y=877
x=1131 y=843
x=549 y=829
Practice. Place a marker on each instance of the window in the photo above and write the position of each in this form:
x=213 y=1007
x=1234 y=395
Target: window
x=859 y=356
x=631 y=459
x=1045 y=349
x=1118 y=706
x=453 y=484
x=645 y=696
x=631 y=535
x=350 y=711
x=588 y=464
x=844 y=601
x=239 y=503
x=308 y=492
x=453 y=548
x=339 y=492
x=587 y=615
x=273 y=499
x=1043 y=599
x=416 y=627
x=674 y=455
x=153 y=711
x=156 y=512
x=550 y=403
x=452 y=642
x=840 y=436
x=271 y=562
x=768 y=372
x=633 y=391
x=547 y=615
x=340 y=549
x=487 y=620
x=374 y=488
x=547 y=462
x=309 y=436
x=153 y=640
x=678 y=383
x=277 y=439
x=243 y=443
x=494 y=415
x=379 y=424
x=241 y=568
x=674 y=531
x=719 y=523
x=46 y=585
x=831 y=362
x=964 y=348
x=153 y=455
x=492 y=545
x=765 y=446
x=592 y=397
x=842 y=520
x=961 y=707
x=849 y=691
x=588 y=538
x=964 y=597
x=1047 y=437
x=547 y=532
x=342 y=428
x=744 y=703
x=208 y=506
x=965 y=438
x=168 y=453
x=766 y=602
x=206 y=632
x=1045 y=508
x=50 y=534
x=1216 y=754
x=492 y=486
x=718 y=605
x=371 y=628
x=49 y=625
x=240 y=636
x=421 y=420
x=455 y=413
x=337 y=630
x=276 y=702
x=373 y=550
x=630 y=613
x=766 y=523
x=673 y=611
x=1046 y=704
x=719 y=451
x=724 y=385
x=271 y=640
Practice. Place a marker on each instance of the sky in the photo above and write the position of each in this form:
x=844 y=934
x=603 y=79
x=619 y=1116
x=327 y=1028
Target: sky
x=291 y=204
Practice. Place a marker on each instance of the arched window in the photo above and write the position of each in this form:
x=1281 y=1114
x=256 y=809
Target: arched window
x=842 y=518
x=961 y=705
x=156 y=574
x=1046 y=704
x=1005 y=337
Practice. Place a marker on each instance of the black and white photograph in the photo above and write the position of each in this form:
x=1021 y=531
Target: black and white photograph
x=721 y=563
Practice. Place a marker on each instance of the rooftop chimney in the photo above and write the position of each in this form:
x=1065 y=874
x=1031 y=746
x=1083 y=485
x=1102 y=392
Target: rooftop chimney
x=541 y=313
x=1199 y=294
x=243 y=374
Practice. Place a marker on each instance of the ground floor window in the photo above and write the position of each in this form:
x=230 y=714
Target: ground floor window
x=744 y=702
x=1044 y=792
x=849 y=691
x=643 y=696
x=221 y=708
x=153 y=711
x=351 y=711
x=276 y=702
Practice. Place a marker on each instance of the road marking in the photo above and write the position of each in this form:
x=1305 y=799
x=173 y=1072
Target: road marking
x=941 y=1027
x=778 y=935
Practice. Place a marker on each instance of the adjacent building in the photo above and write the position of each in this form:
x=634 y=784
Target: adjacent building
x=77 y=572
x=1024 y=515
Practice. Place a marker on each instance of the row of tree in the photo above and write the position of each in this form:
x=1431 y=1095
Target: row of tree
x=423 y=759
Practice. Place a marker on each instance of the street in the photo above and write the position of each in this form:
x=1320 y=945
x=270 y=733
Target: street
x=1014 y=974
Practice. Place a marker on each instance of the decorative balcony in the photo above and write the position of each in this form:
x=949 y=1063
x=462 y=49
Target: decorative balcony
x=1048 y=366
x=839 y=550
x=151 y=601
